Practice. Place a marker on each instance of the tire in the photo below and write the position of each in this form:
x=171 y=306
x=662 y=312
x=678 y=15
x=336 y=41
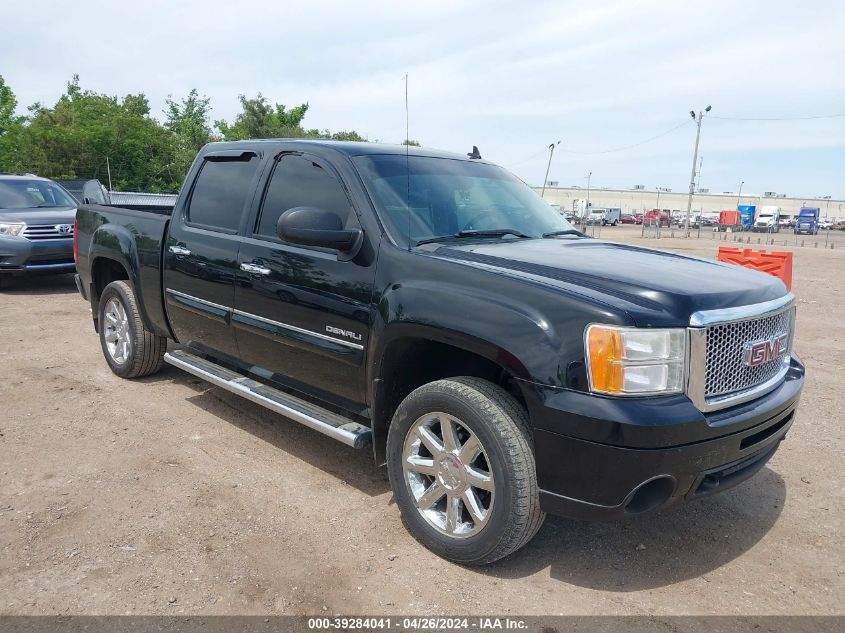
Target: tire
x=143 y=352
x=472 y=407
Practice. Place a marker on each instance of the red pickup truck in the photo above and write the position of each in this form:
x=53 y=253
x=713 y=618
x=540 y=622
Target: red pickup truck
x=656 y=216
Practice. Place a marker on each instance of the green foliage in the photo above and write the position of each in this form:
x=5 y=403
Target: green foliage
x=188 y=121
x=8 y=103
x=411 y=142
x=75 y=137
x=352 y=135
x=10 y=128
x=258 y=119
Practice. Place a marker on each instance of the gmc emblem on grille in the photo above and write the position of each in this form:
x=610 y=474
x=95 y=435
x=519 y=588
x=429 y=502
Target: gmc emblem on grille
x=756 y=353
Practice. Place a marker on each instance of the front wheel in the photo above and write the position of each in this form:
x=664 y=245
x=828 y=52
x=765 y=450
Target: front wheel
x=461 y=462
x=130 y=349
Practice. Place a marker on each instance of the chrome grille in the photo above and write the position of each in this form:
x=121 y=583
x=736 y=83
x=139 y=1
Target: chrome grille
x=725 y=370
x=48 y=232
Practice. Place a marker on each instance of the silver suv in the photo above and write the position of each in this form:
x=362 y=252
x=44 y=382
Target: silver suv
x=36 y=226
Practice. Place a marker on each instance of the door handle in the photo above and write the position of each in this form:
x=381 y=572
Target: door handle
x=255 y=269
x=178 y=249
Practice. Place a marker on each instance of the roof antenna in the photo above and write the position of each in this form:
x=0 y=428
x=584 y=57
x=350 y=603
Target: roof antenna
x=474 y=154
x=407 y=162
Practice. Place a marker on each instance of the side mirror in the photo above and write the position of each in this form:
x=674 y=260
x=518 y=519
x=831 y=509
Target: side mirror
x=310 y=226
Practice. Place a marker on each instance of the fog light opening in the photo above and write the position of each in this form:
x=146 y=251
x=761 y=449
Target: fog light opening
x=651 y=495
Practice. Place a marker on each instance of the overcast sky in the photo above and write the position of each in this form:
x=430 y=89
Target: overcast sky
x=510 y=77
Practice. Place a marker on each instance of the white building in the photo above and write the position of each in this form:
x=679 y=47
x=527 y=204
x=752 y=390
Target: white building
x=637 y=200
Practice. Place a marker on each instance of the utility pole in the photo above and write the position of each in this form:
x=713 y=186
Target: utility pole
x=590 y=175
x=549 y=166
x=700 y=163
x=742 y=182
x=827 y=208
x=694 y=161
x=108 y=169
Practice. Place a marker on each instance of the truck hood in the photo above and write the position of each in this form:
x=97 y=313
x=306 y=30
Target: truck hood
x=654 y=287
x=47 y=215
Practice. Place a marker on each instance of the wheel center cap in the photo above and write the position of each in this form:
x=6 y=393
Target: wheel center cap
x=450 y=471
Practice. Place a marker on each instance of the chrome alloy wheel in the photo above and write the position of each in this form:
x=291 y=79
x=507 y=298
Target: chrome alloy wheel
x=116 y=333
x=448 y=474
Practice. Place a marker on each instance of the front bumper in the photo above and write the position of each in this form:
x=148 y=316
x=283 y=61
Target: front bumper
x=603 y=458
x=20 y=256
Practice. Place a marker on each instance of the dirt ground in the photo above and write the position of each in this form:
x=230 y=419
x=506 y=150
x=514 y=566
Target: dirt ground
x=168 y=496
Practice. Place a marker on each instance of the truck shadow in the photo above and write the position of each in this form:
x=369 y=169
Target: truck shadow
x=41 y=285
x=650 y=551
x=352 y=467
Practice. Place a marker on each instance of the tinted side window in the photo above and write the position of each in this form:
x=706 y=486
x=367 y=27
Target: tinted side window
x=300 y=182
x=220 y=193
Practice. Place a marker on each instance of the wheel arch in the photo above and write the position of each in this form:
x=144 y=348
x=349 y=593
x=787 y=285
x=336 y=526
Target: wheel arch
x=434 y=355
x=113 y=256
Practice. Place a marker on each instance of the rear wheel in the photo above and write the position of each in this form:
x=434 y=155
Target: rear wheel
x=461 y=465
x=130 y=349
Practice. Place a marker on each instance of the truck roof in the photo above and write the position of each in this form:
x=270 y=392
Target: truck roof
x=350 y=148
x=19 y=176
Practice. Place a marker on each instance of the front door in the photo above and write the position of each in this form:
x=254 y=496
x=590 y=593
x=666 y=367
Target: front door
x=201 y=253
x=301 y=314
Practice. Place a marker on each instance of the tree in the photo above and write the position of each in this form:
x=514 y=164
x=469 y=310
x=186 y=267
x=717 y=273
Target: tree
x=74 y=137
x=8 y=103
x=188 y=121
x=411 y=142
x=77 y=135
x=10 y=128
x=258 y=119
x=352 y=135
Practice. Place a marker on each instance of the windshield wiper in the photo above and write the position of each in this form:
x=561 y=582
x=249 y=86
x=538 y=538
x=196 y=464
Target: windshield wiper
x=565 y=232
x=490 y=233
x=473 y=233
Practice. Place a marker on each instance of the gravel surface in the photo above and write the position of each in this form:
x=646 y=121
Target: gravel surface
x=167 y=496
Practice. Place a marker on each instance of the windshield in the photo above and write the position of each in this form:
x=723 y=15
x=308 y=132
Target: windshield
x=427 y=198
x=33 y=194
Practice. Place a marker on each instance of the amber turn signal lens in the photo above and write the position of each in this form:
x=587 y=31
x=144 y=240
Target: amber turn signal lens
x=605 y=350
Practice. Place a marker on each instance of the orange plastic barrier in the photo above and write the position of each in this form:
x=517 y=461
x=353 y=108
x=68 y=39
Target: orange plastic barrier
x=776 y=263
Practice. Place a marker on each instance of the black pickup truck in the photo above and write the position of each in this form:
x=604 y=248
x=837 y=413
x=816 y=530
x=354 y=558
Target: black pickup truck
x=500 y=363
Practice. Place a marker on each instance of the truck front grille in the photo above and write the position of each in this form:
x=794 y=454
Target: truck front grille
x=48 y=231
x=727 y=344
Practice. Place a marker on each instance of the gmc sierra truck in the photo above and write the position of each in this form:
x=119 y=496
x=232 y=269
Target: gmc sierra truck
x=501 y=364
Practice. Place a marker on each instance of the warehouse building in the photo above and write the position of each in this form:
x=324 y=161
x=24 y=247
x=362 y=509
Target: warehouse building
x=639 y=199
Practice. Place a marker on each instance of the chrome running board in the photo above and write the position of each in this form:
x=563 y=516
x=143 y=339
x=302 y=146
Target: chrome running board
x=315 y=417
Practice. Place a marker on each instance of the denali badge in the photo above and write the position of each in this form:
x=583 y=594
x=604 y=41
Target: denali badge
x=346 y=333
x=756 y=353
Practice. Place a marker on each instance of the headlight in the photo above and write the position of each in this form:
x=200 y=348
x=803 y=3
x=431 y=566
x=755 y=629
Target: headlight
x=11 y=229
x=634 y=361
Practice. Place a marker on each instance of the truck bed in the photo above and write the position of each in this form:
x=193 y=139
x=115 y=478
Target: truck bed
x=134 y=239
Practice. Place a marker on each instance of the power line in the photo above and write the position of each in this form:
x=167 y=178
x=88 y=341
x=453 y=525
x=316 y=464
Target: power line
x=789 y=118
x=624 y=147
x=607 y=151
x=532 y=157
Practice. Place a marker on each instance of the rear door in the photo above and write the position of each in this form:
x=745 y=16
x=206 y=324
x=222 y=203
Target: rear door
x=201 y=250
x=301 y=314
